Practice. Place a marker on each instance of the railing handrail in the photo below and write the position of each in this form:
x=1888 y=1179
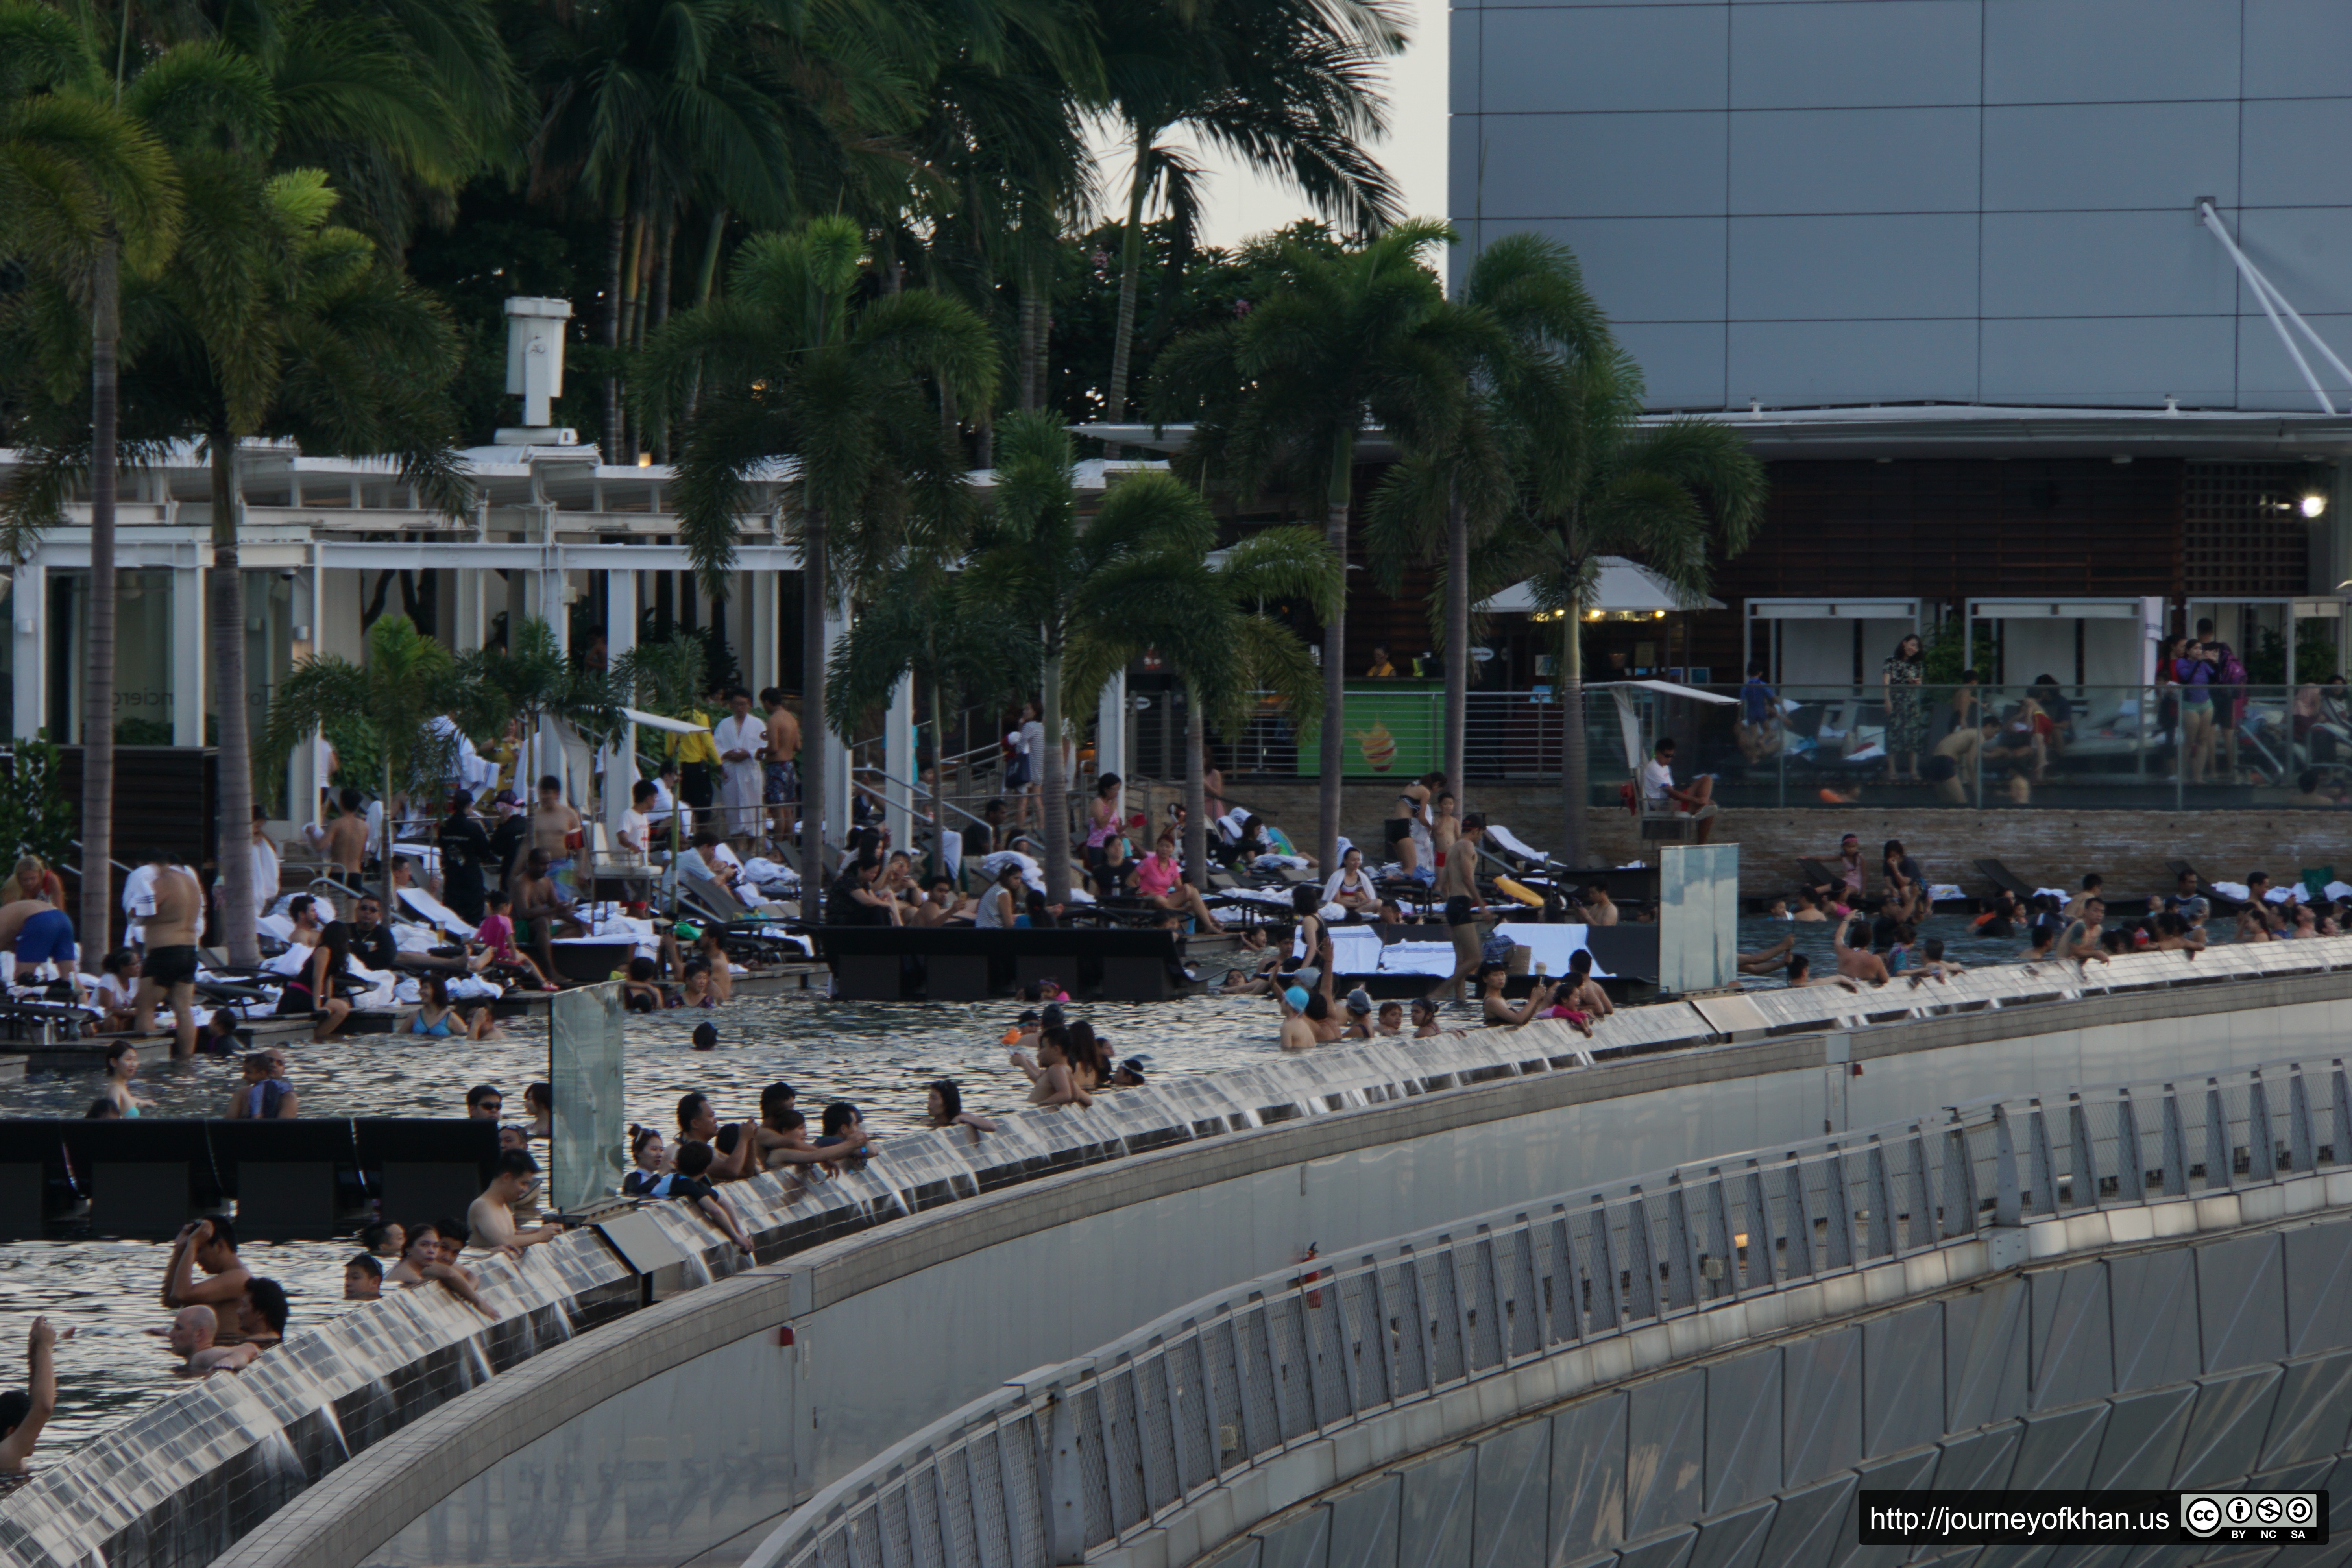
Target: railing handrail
x=1680 y=1255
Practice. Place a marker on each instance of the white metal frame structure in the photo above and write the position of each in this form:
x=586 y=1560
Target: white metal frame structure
x=2267 y=295
x=1773 y=613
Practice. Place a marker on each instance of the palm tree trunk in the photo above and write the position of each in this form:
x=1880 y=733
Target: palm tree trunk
x=940 y=827
x=616 y=229
x=664 y=258
x=1054 y=789
x=233 y=852
x=1335 y=667
x=1575 y=784
x=1196 y=791
x=1030 y=305
x=391 y=833
x=709 y=281
x=1131 y=270
x=1457 y=646
x=1044 y=338
x=814 y=742
x=98 y=682
x=658 y=315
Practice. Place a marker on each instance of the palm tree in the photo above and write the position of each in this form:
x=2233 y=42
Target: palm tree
x=268 y=320
x=645 y=104
x=80 y=182
x=1529 y=322
x=536 y=682
x=407 y=683
x=1288 y=87
x=667 y=677
x=795 y=364
x=1595 y=480
x=1281 y=396
x=268 y=316
x=1043 y=562
x=929 y=625
x=1207 y=619
x=1034 y=558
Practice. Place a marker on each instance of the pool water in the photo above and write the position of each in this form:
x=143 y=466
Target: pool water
x=884 y=1058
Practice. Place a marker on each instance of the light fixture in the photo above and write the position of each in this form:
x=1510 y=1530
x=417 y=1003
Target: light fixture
x=1592 y=614
x=2314 y=504
x=1657 y=614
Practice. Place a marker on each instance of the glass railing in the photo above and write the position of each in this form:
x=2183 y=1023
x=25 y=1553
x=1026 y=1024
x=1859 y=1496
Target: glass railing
x=2058 y=745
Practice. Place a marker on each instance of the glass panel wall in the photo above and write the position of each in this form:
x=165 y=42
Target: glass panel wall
x=145 y=681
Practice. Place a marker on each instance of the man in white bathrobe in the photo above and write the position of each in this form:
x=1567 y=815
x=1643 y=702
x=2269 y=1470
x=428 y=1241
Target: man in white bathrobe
x=739 y=738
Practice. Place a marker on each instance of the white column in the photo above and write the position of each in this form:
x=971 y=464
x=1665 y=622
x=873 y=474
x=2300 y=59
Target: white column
x=553 y=607
x=28 y=613
x=191 y=678
x=1110 y=727
x=756 y=604
x=467 y=619
x=301 y=763
x=836 y=780
x=898 y=748
x=620 y=640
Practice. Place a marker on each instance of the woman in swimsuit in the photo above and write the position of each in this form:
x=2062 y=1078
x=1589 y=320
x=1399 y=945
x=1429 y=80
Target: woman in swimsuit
x=1350 y=888
x=1106 y=844
x=440 y=1020
x=121 y=1066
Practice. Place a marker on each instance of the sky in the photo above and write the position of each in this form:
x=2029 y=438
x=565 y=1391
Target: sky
x=1241 y=204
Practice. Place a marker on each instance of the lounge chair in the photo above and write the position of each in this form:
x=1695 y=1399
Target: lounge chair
x=2007 y=880
x=1509 y=848
x=1817 y=875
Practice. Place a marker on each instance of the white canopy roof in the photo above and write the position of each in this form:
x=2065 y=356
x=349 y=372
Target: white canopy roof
x=1620 y=587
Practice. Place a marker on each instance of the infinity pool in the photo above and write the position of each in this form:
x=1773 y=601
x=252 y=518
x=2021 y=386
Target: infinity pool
x=881 y=1056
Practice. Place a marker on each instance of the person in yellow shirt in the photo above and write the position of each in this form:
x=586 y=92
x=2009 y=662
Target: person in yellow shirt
x=1382 y=668
x=697 y=769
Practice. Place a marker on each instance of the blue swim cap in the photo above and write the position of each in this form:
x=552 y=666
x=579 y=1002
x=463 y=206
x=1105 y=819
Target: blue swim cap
x=1297 y=998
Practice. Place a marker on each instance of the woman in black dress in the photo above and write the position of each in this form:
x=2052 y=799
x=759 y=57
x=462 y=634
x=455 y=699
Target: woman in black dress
x=465 y=850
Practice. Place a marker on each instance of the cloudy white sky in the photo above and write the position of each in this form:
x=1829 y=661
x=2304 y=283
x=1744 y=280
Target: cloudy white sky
x=1239 y=205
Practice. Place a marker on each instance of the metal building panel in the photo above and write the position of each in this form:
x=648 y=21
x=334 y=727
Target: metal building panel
x=2156 y=1326
x=1903 y=1379
x=1603 y=165
x=1855 y=268
x=1743 y=1429
x=1832 y=53
x=2110 y=52
x=2242 y=1298
x=2104 y=264
x=1590 y=59
x=2226 y=1429
x=2120 y=362
x=2071 y=156
x=1853 y=160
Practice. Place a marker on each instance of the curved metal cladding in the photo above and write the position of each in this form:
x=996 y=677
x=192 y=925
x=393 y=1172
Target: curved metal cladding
x=2194 y=1365
x=1404 y=1132
x=1953 y=200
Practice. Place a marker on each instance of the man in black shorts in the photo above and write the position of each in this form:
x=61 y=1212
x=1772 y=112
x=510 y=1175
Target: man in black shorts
x=168 y=973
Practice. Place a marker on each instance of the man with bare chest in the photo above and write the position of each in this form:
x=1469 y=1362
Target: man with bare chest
x=345 y=841
x=781 y=791
x=173 y=917
x=554 y=825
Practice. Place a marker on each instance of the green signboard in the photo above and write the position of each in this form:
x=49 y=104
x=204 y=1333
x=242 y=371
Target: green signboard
x=1389 y=733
